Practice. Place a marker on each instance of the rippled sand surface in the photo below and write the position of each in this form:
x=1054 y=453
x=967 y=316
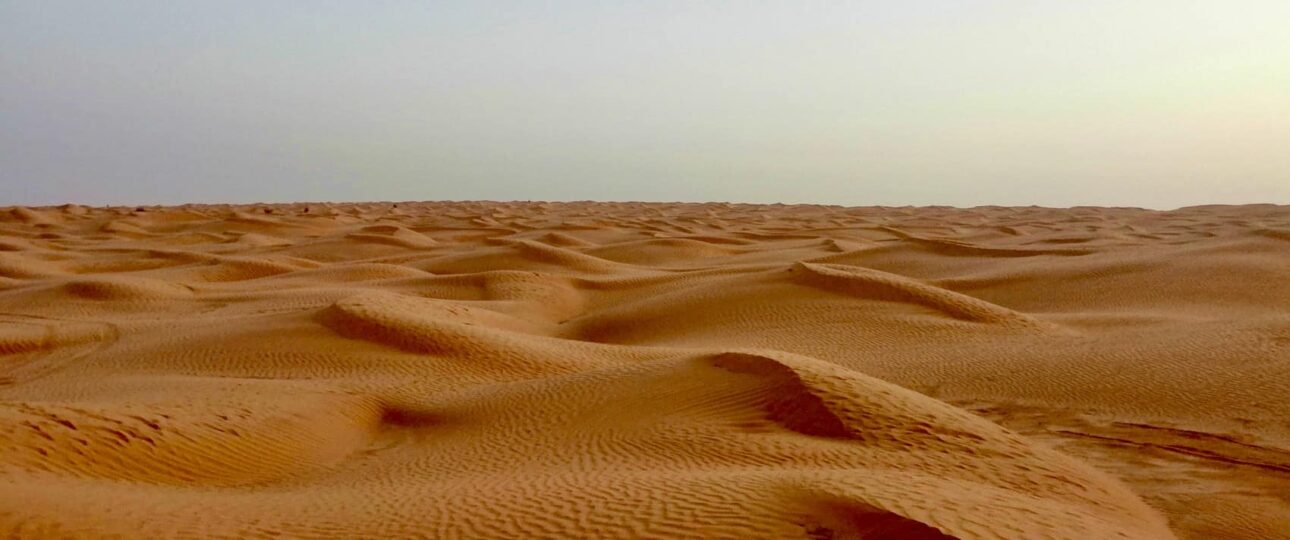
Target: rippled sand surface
x=503 y=370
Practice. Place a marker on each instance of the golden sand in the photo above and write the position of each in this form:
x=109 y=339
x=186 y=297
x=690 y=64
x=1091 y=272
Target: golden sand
x=503 y=370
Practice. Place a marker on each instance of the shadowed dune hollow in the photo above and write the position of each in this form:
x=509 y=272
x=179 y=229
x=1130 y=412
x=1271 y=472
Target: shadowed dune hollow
x=632 y=370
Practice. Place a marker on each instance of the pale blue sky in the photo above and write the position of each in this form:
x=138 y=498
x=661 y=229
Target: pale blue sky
x=1156 y=103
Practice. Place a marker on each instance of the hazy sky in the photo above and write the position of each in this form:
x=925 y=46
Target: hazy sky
x=1156 y=103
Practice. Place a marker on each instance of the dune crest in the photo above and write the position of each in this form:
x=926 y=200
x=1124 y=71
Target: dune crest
x=880 y=285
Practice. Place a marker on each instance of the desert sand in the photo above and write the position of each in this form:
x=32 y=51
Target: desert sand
x=632 y=370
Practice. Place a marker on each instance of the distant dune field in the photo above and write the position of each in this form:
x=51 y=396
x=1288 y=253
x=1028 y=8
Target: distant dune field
x=633 y=370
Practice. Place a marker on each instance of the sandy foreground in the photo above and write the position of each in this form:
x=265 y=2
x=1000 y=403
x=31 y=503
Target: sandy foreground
x=503 y=370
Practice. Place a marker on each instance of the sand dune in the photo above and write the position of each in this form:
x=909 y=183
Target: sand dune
x=629 y=370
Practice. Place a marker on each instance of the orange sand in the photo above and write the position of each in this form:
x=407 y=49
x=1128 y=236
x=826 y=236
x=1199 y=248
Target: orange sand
x=472 y=370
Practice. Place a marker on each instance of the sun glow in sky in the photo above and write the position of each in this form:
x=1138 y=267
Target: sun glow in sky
x=1143 y=103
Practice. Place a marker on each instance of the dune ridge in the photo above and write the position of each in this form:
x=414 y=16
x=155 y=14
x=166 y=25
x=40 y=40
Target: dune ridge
x=880 y=285
x=644 y=370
